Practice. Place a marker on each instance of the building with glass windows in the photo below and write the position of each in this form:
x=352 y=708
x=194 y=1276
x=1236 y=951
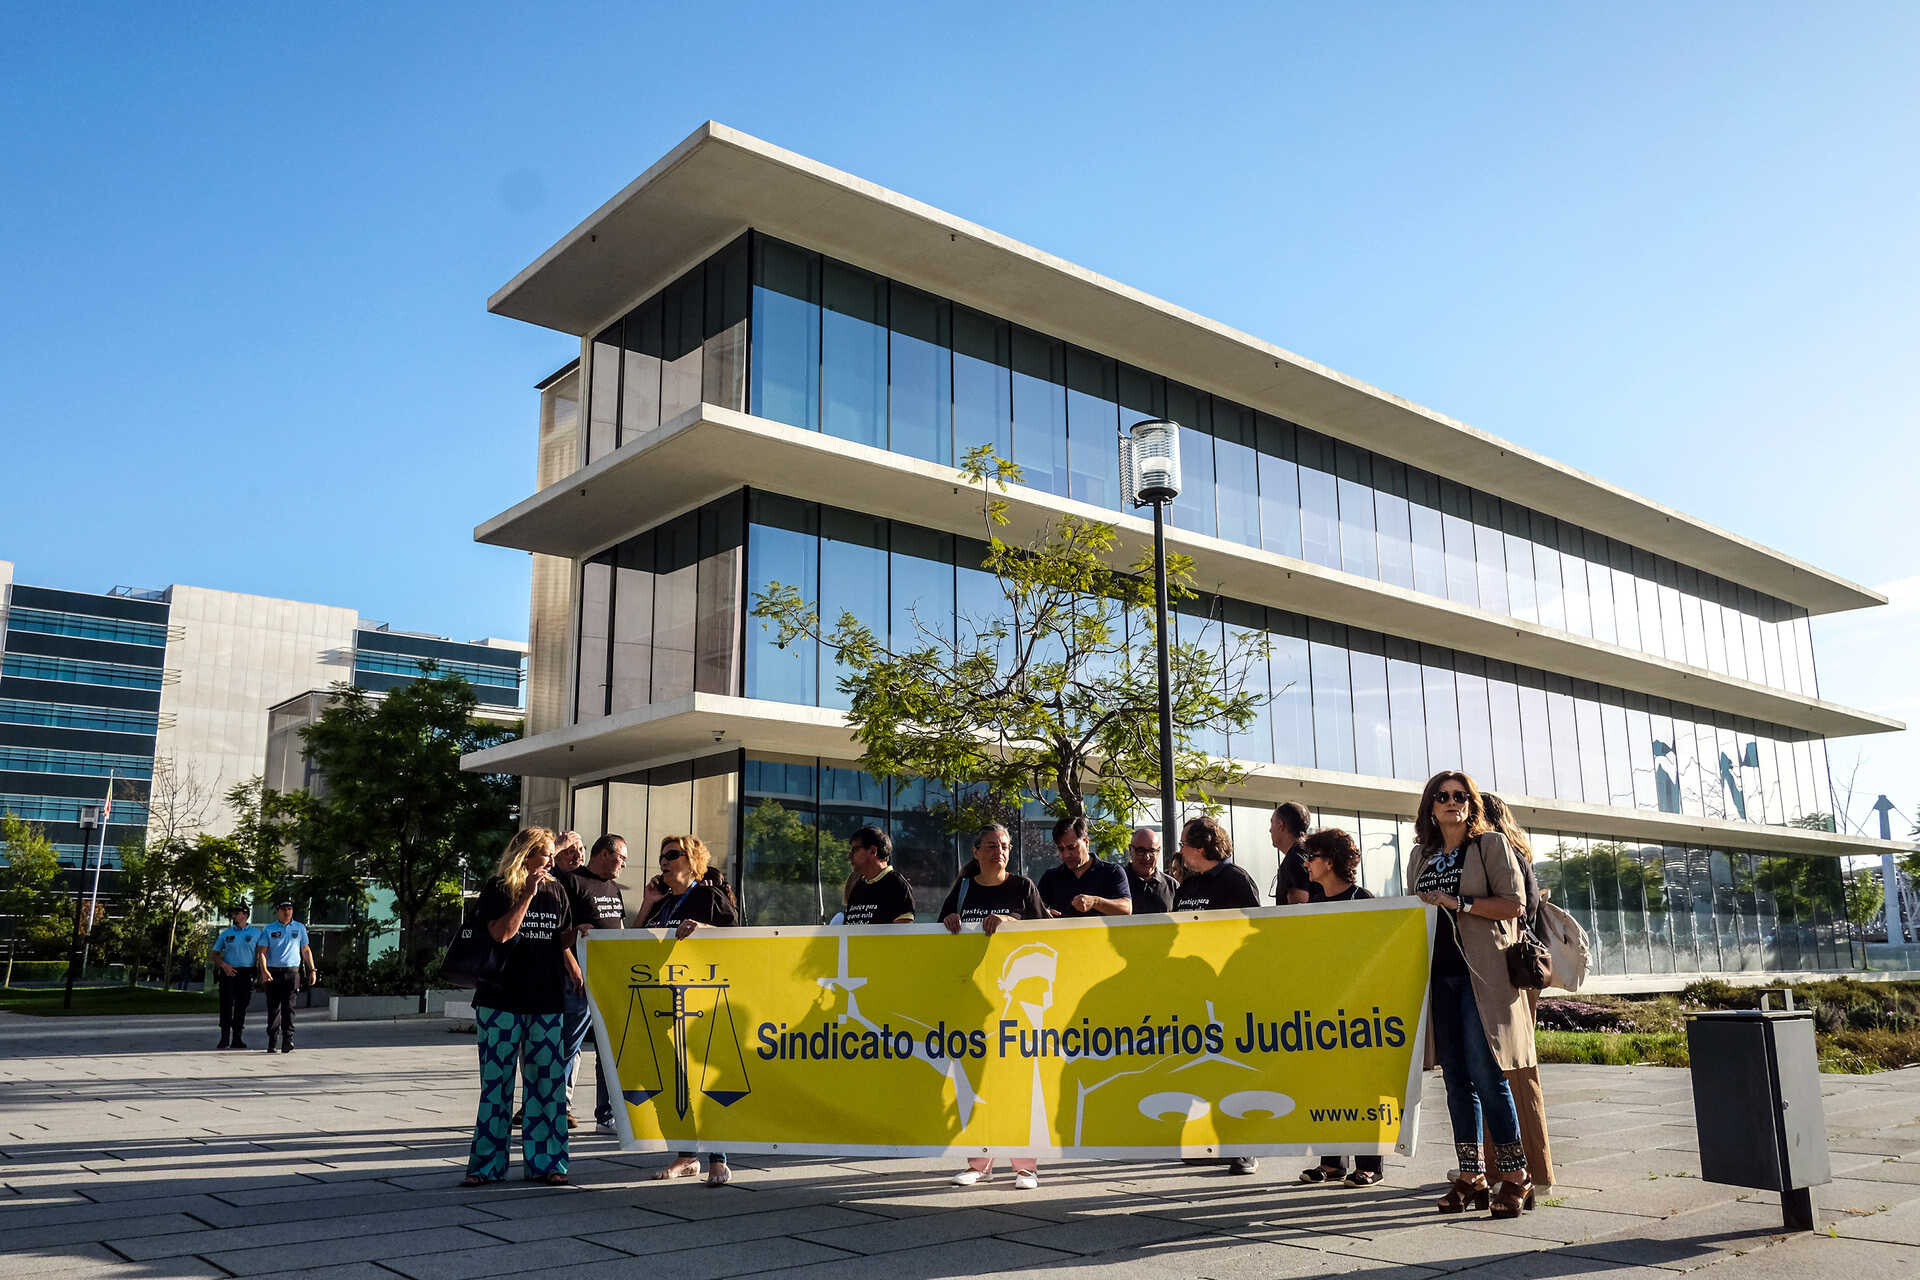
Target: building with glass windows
x=780 y=364
x=164 y=696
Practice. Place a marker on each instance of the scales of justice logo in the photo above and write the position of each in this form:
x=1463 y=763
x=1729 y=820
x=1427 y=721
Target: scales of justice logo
x=690 y=1004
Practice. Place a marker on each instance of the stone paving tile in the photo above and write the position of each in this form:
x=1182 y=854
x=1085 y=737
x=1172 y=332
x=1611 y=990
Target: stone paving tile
x=673 y=1235
x=1882 y=1170
x=1103 y=1234
x=85 y=1232
x=1897 y=1225
x=95 y=1262
x=1848 y=1196
x=574 y=1255
x=1804 y=1256
x=594 y=1223
x=386 y=1247
x=976 y=1258
x=294 y=1234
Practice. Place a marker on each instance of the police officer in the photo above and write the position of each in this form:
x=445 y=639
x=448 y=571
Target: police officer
x=233 y=954
x=282 y=952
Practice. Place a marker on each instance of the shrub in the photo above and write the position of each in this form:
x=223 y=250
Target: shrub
x=1559 y=1014
x=1617 y=1049
x=1712 y=993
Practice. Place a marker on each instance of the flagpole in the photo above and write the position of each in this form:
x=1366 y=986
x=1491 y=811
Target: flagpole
x=93 y=900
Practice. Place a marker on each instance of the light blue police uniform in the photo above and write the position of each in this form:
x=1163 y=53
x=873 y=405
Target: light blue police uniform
x=283 y=943
x=236 y=946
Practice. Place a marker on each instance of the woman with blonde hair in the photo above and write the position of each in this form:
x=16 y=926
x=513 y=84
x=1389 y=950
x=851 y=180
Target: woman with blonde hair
x=683 y=899
x=1480 y=1024
x=1528 y=1101
x=518 y=1014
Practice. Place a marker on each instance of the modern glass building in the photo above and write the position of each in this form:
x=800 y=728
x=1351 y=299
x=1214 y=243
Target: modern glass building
x=780 y=365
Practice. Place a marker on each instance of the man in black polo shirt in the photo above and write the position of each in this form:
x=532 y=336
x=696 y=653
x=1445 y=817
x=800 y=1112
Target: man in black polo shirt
x=593 y=891
x=877 y=894
x=1288 y=830
x=1152 y=888
x=1082 y=885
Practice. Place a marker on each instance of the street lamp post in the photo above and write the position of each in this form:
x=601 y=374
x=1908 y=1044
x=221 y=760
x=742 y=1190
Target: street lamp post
x=1150 y=475
x=89 y=819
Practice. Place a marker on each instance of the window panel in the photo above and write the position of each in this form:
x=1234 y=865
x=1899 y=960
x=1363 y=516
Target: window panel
x=1193 y=510
x=1573 y=583
x=1731 y=632
x=1789 y=650
x=1647 y=601
x=1093 y=425
x=1536 y=735
x=1544 y=533
x=1510 y=768
x=596 y=578
x=783 y=546
x=1617 y=754
x=1319 y=500
x=1456 y=510
x=1523 y=599
x=1359 y=548
x=1603 y=858
x=590 y=812
x=1686 y=764
x=633 y=623
x=919 y=375
x=853 y=581
x=1407 y=708
x=1332 y=697
x=724 y=346
x=1292 y=689
x=1429 y=538
x=923 y=851
x=1490 y=554
x=1372 y=729
x=626 y=817
x=1809 y=671
x=676 y=605
x=1477 y=753
x=785 y=378
x=603 y=399
x=779 y=863
x=920 y=573
x=1236 y=467
x=1442 y=712
x=1640 y=753
x=1040 y=412
x=1606 y=619
x=1594 y=783
x=1678 y=892
x=717 y=625
x=1279 y=488
x=1395 y=522
x=1566 y=742
x=1659 y=915
x=640 y=374
x=982 y=384
x=716 y=798
x=683 y=334
x=853 y=355
x=1246 y=626
x=1666 y=758
x=1382 y=859
x=1673 y=628
x=1197 y=622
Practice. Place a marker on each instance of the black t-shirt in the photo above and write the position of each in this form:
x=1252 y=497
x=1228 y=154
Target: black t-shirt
x=1015 y=896
x=535 y=977
x=1352 y=892
x=595 y=901
x=1151 y=895
x=1222 y=886
x=1442 y=874
x=882 y=900
x=1293 y=875
x=705 y=902
x=1059 y=886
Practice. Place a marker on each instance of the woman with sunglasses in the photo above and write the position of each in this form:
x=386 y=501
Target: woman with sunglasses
x=681 y=898
x=1481 y=1025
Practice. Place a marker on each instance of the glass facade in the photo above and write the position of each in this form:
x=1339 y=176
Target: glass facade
x=840 y=350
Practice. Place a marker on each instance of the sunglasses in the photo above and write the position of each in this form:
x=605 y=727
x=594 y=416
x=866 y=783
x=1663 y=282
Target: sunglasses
x=672 y=856
x=1457 y=797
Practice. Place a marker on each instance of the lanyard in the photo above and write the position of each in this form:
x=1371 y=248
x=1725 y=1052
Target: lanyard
x=672 y=913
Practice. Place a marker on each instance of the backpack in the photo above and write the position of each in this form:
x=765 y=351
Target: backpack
x=1567 y=943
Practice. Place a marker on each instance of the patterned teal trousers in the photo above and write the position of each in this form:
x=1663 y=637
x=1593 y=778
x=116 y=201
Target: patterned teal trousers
x=533 y=1042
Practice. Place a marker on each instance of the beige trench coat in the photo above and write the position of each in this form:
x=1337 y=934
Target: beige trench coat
x=1492 y=870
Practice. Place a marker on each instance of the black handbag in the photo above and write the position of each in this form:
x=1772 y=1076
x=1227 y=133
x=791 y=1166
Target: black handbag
x=474 y=957
x=1529 y=963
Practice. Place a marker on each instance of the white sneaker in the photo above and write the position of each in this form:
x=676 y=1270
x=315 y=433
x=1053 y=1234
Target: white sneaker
x=1025 y=1181
x=605 y=1126
x=967 y=1177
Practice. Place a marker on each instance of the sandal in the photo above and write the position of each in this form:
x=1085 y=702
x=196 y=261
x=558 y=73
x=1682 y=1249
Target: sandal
x=1514 y=1195
x=685 y=1167
x=475 y=1180
x=554 y=1179
x=1362 y=1178
x=1320 y=1173
x=1465 y=1191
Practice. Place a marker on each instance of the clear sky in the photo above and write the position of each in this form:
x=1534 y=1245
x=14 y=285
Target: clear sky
x=249 y=248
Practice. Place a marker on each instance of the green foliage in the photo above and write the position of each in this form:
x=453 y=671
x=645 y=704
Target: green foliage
x=396 y=808
x=115 y=1001
x=1054 y=698
x=1604 y=1048
x=29 y=903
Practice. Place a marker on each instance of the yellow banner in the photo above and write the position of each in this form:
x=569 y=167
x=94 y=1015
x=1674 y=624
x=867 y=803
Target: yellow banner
x=1278 y=1030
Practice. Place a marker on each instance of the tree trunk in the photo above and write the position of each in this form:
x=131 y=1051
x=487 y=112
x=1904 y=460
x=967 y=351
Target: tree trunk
x=166 y=969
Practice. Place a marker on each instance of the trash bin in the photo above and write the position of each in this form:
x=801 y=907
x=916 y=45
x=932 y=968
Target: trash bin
x=1756 y=1103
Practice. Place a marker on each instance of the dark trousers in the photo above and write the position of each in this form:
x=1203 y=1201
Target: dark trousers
x=1366 y=1164
x=280 y=988
x=236 y=993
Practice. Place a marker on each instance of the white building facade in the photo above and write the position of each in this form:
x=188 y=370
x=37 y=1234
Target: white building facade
x=780 y=365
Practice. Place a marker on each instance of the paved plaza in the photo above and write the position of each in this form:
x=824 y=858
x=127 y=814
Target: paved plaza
x=131 y=1149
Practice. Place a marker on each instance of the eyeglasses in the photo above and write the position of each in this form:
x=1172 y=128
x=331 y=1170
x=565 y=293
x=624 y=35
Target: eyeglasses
x=1142 y=848
x=1457 y=797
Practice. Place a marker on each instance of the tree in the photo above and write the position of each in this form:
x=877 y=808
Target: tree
x=397 y=809
x=1053 y=698
x=27 y=896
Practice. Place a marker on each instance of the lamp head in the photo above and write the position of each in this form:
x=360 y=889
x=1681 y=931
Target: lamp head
x=1150 y=461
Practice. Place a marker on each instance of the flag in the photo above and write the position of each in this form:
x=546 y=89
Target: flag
x=106 y=810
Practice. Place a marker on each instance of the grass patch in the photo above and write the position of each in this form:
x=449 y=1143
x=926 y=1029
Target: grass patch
x=1613 y=1048
x=106 y=1001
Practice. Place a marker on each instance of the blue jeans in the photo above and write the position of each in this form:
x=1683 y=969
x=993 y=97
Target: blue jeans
x=576 y=1028
x=1474 y=1080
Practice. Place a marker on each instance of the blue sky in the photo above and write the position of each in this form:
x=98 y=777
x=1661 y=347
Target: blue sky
x=249 y=249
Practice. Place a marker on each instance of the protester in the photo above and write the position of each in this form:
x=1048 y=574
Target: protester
x=875 y=893
x=1149 y=886
x=519 y=1013
x=280 y=953
x=987 y=892
x=683 y=899
x=233 y=953
x=1528 y=1101
x=1214 y=883
x=1481 y=1026
x=568 y=853
x=1333 y=860
x=1082 y=885
x=594 y=897
x=1288 y=831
